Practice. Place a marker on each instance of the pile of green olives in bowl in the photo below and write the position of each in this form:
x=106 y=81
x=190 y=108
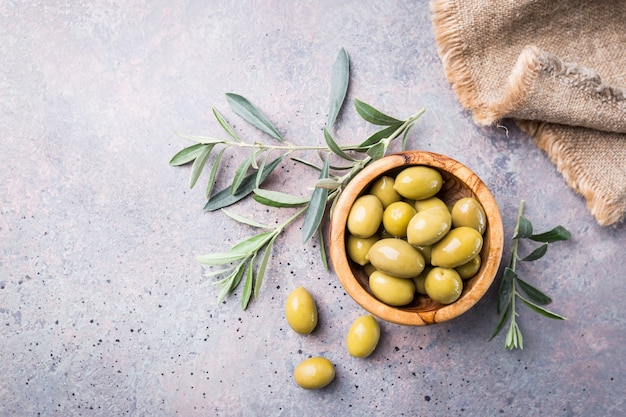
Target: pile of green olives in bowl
x=416 y=238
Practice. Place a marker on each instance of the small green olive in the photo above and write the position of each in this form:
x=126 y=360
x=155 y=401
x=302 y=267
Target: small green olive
x=396 y=257
x=392 y=290
x=470 y=268
x=396 y=218
x=357 y=248
x=443 y=285
x=421 y=205
x=457 y=247
x=314 y=373
x=420 y=279
x=363 y=336
x=383 y=189
x=429 y=226
x=365 y=216
x=418 y=182
x=468 y=212
x=301 y=311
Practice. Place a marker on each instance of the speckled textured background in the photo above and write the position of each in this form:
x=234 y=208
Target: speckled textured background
x=104 y=311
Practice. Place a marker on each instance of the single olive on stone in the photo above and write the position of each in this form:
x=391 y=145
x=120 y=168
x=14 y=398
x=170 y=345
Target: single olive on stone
x=314 y=373
x=363 y=336
x=301 y=311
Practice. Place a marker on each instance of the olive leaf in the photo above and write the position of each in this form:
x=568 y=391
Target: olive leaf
x=377 y=151
x=240 y=174
x=316 y=208
x=378 y=136
x=213 y=174
x=247 y=287
x=537 y=253
x=332 y=145
x=187 y=154
x=227 y=128
x=339 y=86
x=554 y=235
x=198 y=164
x=263 y=266
x=224 y=198
x=524 y=228
x=252 y=115
x=544 y=312
x=277 y=198
x=374 y=116
x=533 y=293
x=245 y=220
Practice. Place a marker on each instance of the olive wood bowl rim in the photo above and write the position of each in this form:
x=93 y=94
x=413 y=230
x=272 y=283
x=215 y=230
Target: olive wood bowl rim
x=493 y=239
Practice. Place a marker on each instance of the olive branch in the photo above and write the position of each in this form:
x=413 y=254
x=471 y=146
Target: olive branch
x=513 y=288
x=247 y=260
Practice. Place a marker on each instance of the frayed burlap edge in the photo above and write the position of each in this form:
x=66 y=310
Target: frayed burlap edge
x=606 y=209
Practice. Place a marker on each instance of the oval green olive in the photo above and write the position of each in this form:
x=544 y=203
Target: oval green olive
x=314 y=373
x=470 y=268
x=365 y=216
x=457 y=247
x=396 y=218
x=418 y=182
x=468 y=212
x=443 y=285
x=363 y=336
x=383 y=189
x=396 y=257
x=301 y=311
x=391 y=290
x=428 y=226
x=357 y=248
x=431 y=202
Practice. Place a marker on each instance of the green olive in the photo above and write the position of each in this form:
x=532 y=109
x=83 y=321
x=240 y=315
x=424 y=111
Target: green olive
x=429 y=226
x=357 y=248
x=363 y=336
x=468 y=212
x=391 y=290
x=457 y=247
x=418 y=182
x=443 y=285
x=314 y=373
x=383 y=189
x=431 y=202
x=396 y=257
x=301 y=311
x=365 y=217
x=470 y=268
x=420 y=279
x=396 y=218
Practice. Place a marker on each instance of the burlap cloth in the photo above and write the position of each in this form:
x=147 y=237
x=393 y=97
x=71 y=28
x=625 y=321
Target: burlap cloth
x=558 y=69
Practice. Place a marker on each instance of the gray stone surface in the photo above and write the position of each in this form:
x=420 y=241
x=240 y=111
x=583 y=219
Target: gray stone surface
x=104 y=311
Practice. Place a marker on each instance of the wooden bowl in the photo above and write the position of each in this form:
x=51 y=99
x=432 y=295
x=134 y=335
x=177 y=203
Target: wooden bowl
x=459 y=181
